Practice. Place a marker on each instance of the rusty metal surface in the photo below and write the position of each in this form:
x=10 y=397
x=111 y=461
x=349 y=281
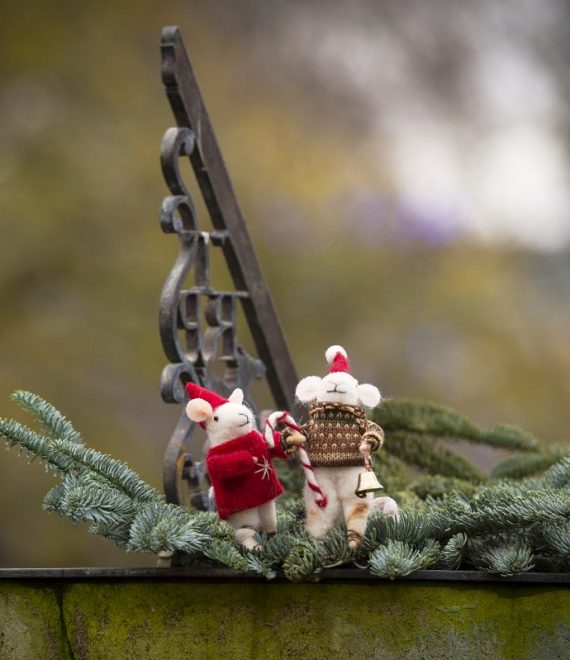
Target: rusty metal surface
x=198 y=323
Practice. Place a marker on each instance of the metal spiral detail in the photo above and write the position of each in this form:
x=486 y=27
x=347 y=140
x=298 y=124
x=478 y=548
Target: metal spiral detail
x=197 y=324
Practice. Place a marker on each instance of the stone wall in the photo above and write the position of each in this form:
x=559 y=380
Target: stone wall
x=163 y=619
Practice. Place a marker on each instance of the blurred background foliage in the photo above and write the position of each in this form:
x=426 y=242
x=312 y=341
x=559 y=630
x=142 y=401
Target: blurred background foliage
x=404 y=171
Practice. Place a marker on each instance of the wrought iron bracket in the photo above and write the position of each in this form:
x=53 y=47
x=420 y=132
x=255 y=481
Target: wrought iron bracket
x=198 y=323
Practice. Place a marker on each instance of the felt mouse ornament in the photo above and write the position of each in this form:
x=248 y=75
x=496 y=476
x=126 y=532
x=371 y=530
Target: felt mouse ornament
x=339 y=442
x=244 y=481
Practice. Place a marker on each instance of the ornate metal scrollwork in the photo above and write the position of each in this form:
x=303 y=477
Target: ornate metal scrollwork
x=198 y=323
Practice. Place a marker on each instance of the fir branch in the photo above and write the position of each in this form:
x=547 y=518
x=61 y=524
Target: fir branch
x=88 y=504
x=518 y=467
x=507 y=436
x=335 y=550
x=116 y=472
x=158 y=526
x=226 y=553
x=497 y=509
x=52 y=500
x=140 y=532
x=452 y=552
x=558 y=476
x=438 y=486
x=304 y=562
x=396 y=558
x=416 y=450
x=14 y=433
x=53 y=423
x=557 y=535
x=208 y=523
x=412 y=527
x=504 y=528
x=291 y=516
x=176 y=531
x=255 y=562
x=274 y=549
x=118 y=532
x=504 y=558
x=442 y=422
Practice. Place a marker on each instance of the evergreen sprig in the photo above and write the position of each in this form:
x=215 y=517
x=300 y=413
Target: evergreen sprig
x=396 y=558
x=557 y=535
x=14 y=433
x=305 y=561
x=432 y=456
x=505 y=557
x=53 y=423
x=452 y=516
x=116 y=472
x=225 y=552
x=518 y=467
x=453 y=551
x=558 y=476
x=429 y=419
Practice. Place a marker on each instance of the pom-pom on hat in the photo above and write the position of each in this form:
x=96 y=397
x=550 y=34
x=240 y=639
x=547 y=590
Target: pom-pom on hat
x=336 y=356
x=198 y=392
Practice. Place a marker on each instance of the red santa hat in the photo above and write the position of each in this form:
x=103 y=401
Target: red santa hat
x=198 y=392
x=336 y=356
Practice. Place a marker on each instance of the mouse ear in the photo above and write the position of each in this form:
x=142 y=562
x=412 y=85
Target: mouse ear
x=199 y=410
x=368 y=395
x=236 y=396
x=308 y=388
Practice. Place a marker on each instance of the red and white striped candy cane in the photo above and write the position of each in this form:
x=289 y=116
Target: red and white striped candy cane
x=286 y=419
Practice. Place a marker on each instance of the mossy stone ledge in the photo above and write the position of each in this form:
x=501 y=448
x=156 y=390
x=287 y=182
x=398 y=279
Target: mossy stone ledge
x=214 y=617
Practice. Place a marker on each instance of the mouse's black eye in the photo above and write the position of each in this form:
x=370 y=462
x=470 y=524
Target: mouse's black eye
x=216 y=418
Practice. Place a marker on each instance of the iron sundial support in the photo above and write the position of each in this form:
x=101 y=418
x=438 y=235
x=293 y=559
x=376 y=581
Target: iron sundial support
x=198 y=324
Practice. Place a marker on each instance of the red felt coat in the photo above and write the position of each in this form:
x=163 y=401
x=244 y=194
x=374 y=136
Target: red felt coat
x=238 y=482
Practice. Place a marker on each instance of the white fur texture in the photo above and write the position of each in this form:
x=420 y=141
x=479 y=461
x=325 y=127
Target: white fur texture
x=236 y=396
x=248 y=522
x=332 y=351
x=339 y=483
x=338 y=387
x=387 y=505
x=226 y=422
x=368 y=395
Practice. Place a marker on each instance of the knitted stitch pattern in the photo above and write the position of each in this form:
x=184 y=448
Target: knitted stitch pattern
x=334 y=433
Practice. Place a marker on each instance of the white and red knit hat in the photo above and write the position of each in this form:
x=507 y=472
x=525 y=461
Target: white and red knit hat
x=337 y=358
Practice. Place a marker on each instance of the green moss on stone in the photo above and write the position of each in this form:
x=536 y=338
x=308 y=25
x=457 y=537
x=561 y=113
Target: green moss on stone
x=367 y=620
x=213 y=619
x=30 y=623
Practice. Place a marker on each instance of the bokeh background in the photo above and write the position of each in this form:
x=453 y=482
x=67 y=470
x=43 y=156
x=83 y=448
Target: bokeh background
x=404 y=168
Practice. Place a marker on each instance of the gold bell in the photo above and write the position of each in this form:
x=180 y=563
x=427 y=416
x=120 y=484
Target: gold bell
x=367 y=483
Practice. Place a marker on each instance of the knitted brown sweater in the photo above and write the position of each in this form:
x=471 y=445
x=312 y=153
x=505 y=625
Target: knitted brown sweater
x=334 y=433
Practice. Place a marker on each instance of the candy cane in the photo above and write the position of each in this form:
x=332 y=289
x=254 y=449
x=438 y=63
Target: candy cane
x=286 y=419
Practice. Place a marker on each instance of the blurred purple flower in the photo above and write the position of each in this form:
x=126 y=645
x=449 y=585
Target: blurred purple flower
x=428 y=221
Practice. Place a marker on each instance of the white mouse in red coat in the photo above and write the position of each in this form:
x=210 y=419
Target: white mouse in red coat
x=239 y=463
